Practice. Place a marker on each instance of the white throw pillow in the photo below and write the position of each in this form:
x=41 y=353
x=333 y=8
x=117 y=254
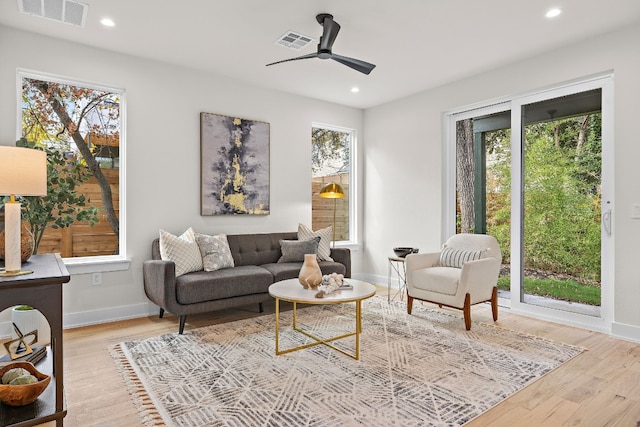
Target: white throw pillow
x=183 y=251
x=215 y=251
x=324 y=248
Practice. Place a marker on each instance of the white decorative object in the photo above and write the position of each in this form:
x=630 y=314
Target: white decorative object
x=28 y=320
x=330 y=283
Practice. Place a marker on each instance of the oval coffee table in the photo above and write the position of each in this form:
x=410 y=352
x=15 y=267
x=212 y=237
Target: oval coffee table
x=292 y=291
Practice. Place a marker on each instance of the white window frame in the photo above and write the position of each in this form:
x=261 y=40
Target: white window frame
x=89 y=264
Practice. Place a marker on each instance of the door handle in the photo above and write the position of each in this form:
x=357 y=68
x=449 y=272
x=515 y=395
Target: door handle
x=606 y=222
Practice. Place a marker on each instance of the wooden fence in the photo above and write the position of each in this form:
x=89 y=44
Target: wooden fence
x=80 y=239
x=322 y=209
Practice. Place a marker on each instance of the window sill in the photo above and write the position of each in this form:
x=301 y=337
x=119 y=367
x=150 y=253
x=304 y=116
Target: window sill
x=96 y=264
x=349 y=245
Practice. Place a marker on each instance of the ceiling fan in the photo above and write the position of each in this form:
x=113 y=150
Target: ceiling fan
x=329 y=33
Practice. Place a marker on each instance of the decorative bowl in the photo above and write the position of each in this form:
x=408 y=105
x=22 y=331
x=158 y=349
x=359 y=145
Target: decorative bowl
x=404 y=251
x=19 y=395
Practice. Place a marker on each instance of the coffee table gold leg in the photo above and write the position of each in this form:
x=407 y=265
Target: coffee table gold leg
x=277 y=324
x=358 y=328
x=295 y=311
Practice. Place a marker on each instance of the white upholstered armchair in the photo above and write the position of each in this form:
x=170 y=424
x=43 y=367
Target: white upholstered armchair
x=464 y=273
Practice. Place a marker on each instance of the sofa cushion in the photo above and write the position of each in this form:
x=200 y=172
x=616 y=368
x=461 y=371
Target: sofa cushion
x=295 y=250
x=257 y=249
x=183 y=251
x=291 y=270
x=203 y=286
x=215 y=251
x=324 y=248
x=283 y=270
x=443 y=280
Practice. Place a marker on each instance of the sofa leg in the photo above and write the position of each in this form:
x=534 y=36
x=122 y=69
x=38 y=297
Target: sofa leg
x=409 y=303
x=161 y=313
x=467 y=312
x=260 y=307
x=494 y=303
x=183 y=320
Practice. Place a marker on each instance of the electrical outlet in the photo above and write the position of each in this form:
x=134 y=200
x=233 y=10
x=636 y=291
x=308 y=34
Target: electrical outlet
x=96 y=279
x=635 y=211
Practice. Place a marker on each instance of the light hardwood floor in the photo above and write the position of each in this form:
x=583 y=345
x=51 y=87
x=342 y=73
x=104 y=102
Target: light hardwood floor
x=600 y=387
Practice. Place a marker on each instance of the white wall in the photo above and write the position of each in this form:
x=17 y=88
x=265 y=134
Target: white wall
x=163 y=103
x=403 y=157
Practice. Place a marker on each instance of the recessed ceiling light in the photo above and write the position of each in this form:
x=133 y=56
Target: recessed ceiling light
x=552 y=13
x=355 y=89
x=107 y=22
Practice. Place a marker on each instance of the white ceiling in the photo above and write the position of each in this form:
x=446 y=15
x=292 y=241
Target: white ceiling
x=416 y=44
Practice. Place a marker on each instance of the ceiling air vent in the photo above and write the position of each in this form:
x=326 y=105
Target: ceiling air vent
x=293 y=40
x=67 y=11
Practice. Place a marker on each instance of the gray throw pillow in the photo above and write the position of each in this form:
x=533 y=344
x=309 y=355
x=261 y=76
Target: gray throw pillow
x=215 y=251
x=295 y=250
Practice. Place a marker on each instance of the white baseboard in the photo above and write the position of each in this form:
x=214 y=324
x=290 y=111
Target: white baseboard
x=625 y=332
x=113 y=314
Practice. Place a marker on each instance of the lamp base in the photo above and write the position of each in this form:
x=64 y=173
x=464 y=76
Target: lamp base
x=14 y=273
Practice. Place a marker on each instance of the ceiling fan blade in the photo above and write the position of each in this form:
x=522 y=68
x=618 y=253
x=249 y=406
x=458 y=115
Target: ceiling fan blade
x=356 y=64
x=329 y=33
x=311 y=55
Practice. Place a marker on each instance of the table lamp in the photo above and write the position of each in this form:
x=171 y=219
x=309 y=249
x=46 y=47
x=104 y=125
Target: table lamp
x=23 y=171
x=332 y=191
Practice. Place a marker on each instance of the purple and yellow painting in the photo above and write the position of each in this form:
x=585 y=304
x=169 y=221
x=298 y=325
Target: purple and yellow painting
x=234 y=165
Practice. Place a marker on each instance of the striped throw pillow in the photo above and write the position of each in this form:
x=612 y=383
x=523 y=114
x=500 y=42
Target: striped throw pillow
x=450 y=257
x=324 y=248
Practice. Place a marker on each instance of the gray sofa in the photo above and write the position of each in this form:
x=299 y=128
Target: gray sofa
x=255 y=268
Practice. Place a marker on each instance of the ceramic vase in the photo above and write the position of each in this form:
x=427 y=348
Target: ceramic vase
x=26 y=243
x=310 y=274
x=29 y=320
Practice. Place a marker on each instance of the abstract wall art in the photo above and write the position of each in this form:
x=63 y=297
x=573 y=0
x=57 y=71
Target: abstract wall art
x=234 y=165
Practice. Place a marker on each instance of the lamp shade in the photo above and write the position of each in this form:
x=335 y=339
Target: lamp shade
x=332 y=191
x=23 y=171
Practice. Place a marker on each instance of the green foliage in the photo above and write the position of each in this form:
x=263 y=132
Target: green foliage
x=561 y=195
x=567 y=290
x=62 y=206
x=329 y=150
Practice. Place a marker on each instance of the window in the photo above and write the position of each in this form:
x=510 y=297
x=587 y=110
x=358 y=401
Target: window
x=80 y=127
x=331 y=152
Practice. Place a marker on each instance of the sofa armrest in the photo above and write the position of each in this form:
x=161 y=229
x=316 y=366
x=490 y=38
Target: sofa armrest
x=343 y=256
x=159 y=279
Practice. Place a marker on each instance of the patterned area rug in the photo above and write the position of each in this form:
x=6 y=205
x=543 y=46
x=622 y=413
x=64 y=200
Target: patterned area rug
x=418 y=370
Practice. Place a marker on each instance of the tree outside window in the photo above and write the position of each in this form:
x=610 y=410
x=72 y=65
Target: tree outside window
x=79 y=126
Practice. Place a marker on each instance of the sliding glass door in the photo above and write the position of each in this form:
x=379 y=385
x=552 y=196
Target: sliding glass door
x=535 y=173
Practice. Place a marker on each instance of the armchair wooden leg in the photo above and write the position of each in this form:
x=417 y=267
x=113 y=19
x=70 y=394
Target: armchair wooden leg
x=161 y=313
x=467 y=312
x=409 y=303
x=260 y=307
x=494 y=303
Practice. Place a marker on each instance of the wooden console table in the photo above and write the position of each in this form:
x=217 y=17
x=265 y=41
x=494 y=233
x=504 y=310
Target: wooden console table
x=41 y=289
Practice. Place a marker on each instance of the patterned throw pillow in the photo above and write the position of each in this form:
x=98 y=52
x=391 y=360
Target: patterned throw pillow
x=183 y=251
x=450 y=257
x=215 y=251
x=295 y=250
x=324 y=248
